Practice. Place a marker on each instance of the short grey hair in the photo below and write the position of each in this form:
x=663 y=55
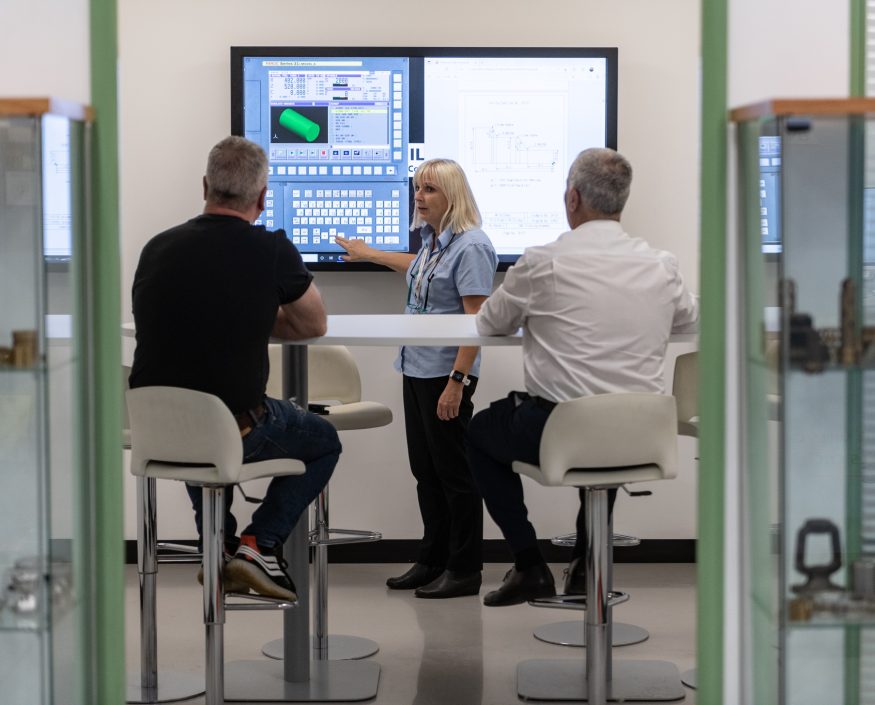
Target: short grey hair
x=236 y=173
x=602 y=177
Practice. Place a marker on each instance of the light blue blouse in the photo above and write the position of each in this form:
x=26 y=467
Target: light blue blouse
x=463 y=265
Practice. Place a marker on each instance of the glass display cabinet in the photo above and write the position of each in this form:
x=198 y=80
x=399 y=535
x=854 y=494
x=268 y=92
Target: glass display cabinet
x=42 y=556
x=806 y=368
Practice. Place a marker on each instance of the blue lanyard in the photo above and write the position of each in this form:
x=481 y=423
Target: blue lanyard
x=430 y=264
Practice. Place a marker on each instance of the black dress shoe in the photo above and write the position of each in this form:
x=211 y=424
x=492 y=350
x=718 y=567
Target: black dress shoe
x=521 y=586
x=417 y=576
x=575 y=577
x=450 y=584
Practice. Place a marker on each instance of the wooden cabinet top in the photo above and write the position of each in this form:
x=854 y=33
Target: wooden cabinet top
x=783 y=107
x=45 y=106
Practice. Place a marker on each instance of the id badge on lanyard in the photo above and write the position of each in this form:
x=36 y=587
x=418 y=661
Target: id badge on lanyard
x=420 y=284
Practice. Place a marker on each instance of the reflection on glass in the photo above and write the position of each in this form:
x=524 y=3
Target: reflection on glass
x=57 y=208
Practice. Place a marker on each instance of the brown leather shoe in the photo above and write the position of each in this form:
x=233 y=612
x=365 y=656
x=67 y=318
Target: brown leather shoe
x=521 y=586
x=417 y=576
x=450 y=584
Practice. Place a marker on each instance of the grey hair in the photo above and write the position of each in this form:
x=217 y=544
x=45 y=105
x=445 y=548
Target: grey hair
x=236 y=173
x=602 y=177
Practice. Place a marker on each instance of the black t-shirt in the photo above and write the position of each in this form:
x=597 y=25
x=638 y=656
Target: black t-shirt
x=205 y=299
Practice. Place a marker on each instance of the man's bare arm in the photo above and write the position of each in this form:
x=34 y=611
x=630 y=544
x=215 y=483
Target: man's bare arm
x=302 y=318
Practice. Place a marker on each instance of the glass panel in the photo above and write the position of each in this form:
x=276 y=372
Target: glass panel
x=817 y=180
x=807 y=394
x=24 y=600
x=41 y=231
x=759 y=163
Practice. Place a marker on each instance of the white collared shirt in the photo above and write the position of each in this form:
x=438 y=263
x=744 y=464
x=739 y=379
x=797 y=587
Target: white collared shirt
x=597 y=308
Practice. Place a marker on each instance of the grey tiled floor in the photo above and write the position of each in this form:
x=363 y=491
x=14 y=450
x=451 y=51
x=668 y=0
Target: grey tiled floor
x=432 y=652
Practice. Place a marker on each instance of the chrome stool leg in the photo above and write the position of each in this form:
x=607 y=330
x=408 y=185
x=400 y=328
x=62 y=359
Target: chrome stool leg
x=151 y=685
x=602 y=680
x=214 y=603
x=336 y=647
x=571 y=632
x=598 y=661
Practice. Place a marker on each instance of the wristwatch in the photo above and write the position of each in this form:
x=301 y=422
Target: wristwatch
x=460 y=377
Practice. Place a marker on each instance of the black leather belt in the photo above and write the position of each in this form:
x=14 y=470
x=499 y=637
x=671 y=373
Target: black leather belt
x=248 y=419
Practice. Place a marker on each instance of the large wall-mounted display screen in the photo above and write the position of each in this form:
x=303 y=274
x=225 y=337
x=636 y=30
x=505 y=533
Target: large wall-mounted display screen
x=346 y=128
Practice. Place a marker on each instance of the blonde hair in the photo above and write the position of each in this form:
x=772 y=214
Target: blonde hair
x=462 y=212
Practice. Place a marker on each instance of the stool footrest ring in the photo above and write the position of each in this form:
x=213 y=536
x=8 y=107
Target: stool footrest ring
x=345 y=536
x=177 y=547
x=178 y=553
x=180 y=559
x=577 y=602
x=617 y=540
x=258 y=602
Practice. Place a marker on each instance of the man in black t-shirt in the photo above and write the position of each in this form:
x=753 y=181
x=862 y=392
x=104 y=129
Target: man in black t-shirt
x=207 y=296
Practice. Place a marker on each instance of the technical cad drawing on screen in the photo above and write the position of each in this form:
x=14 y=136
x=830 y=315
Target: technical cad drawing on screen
x=519 y=124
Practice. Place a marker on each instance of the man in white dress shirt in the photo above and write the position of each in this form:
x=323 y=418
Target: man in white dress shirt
x=597 y=308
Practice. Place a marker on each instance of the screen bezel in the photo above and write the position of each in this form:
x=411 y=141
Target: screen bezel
x=238 y=53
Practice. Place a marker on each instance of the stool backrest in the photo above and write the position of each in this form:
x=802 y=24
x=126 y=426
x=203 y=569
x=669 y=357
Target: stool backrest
x=332 y=374
x=611 y=433
x=685 y=389
x=172 y=426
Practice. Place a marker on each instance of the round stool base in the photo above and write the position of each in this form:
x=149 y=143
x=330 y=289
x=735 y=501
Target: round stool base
x=341 y=647
x=172 y=685
x=571 y=634
x=689 y=678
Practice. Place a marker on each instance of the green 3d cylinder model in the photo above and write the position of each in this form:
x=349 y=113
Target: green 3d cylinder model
x=293 y=121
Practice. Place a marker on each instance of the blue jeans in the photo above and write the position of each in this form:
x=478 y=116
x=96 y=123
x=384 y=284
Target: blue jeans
x=284 y=431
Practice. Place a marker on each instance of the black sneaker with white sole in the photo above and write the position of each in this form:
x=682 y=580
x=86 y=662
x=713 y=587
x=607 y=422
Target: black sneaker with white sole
x=230 y=585
x=261 y=570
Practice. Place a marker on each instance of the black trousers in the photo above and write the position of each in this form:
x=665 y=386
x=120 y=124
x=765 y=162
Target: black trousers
x=511 y=429
x=451 y=508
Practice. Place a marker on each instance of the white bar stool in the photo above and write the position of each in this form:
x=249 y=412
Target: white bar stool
x=181 y=434
x=332 y=379
x=149 y=684
x=600 y=442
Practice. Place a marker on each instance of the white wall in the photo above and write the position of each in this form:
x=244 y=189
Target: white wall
x=174 y=103
x=788 y=50
x=44 y=49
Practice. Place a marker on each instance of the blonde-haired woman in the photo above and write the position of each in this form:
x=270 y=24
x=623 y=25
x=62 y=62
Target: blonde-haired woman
x=451 y=273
